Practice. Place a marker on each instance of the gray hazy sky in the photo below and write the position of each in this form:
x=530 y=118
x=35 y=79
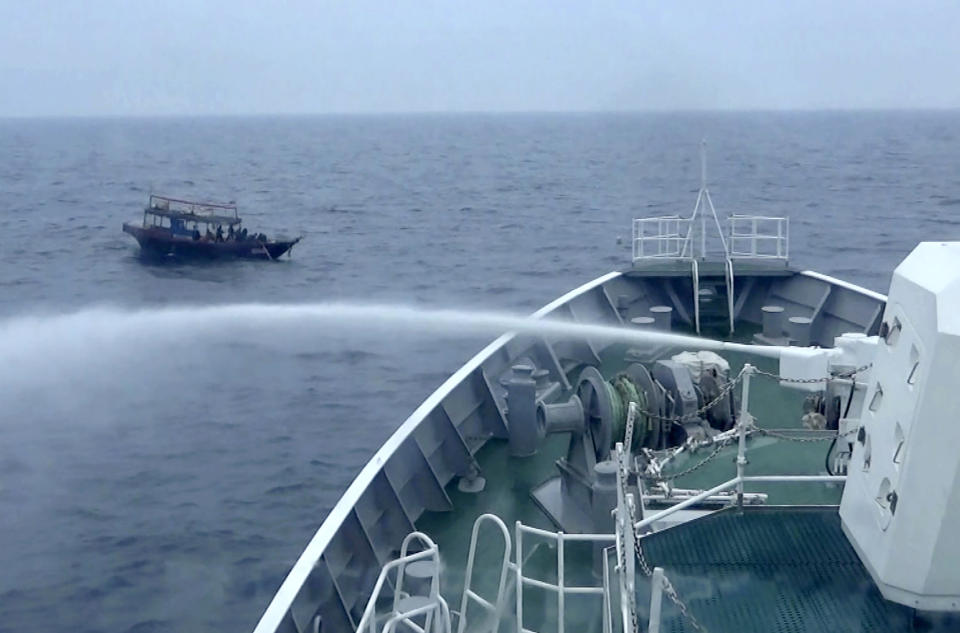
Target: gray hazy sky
x=117 y=57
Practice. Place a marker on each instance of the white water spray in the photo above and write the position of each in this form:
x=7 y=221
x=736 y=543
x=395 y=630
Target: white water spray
x=99 y=353
x=96 y=333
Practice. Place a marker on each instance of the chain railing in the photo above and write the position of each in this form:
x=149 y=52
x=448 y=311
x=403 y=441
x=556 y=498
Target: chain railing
x=782 y=435
x=753 y=428
x=625 y=533
x=658 y=476
x=851 y=373
x=745 y=426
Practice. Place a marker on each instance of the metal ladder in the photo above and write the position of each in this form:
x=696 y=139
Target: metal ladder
x=492 y=608
x=728 y=280
x=432 y=606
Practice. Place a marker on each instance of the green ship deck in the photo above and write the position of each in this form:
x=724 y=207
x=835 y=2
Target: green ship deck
x=510 y=480
x=463 y=429
x=769 y=570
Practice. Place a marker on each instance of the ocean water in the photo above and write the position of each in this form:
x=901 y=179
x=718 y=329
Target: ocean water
x=165 y=478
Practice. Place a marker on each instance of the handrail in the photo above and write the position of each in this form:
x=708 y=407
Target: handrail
x=695 y=268
x=607 y=604
x=406 y=558
x=731 y=305
x=625 y=536
x=425 y=609
x=656 y=599
x=560 y=587
x=745 y=237
x=751 y=242
x=674 y=237
x=733 y=483
x=741 y=478
x=367 y=619
x=668 y=237
x=468 y=593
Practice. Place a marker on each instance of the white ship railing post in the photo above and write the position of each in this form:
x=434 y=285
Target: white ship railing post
x=630 y=548
x=518 y=538
x=560 y=583
x=742 y=431
x=624 y=531
x=607 y=606
x=656 y=599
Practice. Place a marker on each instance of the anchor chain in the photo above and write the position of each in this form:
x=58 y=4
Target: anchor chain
x=792 y=438
x=808 y=381
x=668 y=589
x=645 y=569
x=693 y=415
x=683 y=473
x=671 y=593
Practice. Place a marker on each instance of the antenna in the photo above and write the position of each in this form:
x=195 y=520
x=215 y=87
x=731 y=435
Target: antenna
x=704 y=203
x=703 y=163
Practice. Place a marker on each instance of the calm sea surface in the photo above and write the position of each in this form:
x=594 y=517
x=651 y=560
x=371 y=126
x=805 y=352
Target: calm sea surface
x=166 y=478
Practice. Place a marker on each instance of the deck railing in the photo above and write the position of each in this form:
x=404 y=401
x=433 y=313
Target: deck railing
x=758 y=237
x=747 y=237
x=560 y=588
x=663 y=237
x=744 y=421
x=628 y=531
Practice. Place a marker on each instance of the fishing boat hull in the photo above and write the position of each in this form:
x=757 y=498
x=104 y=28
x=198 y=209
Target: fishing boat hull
x=158 y=242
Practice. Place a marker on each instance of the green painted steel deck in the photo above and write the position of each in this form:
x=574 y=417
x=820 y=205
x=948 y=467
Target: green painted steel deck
x=772 y=570
x=784 y=567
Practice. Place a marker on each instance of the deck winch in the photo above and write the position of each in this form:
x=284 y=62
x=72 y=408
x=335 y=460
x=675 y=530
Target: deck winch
x=679 y=398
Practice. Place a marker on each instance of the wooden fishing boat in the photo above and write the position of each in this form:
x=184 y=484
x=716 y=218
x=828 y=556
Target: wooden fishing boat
x=204 y=230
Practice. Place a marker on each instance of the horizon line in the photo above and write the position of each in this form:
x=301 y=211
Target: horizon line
x=492 y=113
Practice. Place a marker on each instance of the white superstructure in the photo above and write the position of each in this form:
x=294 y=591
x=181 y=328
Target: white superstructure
x=901 y=503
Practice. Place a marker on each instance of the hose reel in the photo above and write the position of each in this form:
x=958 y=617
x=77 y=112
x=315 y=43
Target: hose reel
x=605 y=405
x=596 y=415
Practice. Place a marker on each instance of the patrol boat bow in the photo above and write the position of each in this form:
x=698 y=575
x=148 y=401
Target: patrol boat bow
x=572 y=484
